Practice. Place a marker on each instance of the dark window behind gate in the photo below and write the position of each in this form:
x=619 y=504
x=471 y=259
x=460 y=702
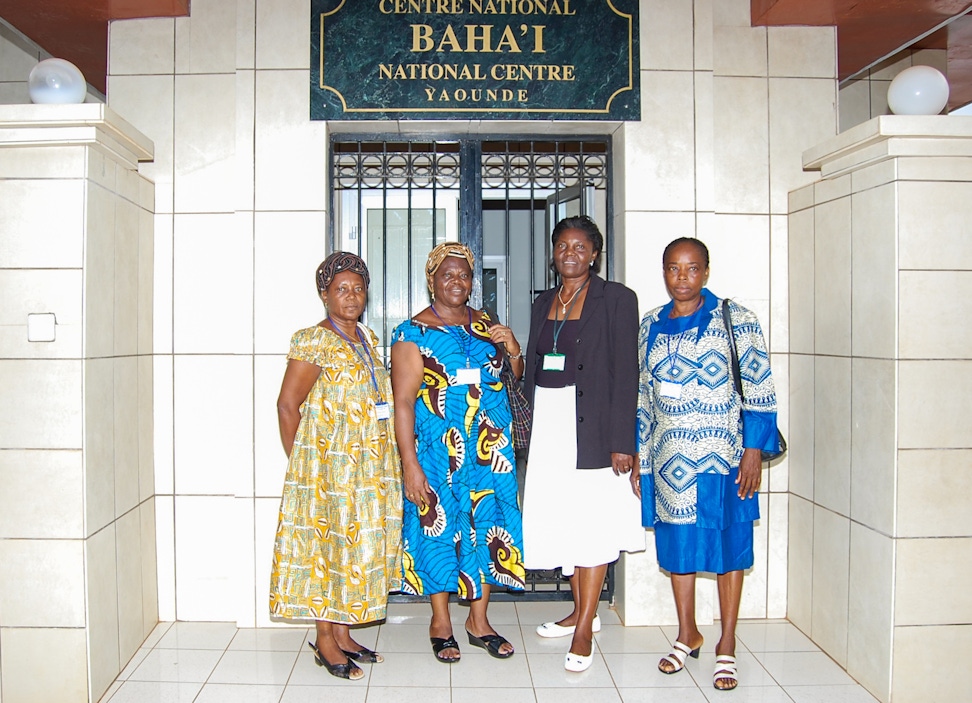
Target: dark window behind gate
x=393 y=201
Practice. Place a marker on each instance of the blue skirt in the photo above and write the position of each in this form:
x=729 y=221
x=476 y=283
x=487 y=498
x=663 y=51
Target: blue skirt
x=685 y=549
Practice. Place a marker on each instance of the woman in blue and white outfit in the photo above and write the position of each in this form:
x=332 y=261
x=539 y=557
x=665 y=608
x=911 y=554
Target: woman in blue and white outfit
x=699 y=446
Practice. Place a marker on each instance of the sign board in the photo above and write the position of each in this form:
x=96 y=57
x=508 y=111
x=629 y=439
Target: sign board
x=474 y=59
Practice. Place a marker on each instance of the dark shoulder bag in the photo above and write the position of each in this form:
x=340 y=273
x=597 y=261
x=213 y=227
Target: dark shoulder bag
x=737 y=380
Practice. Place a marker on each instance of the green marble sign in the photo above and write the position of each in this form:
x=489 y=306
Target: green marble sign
x=474 y=59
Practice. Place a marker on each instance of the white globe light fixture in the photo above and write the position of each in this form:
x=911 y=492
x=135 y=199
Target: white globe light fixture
x=56 y=81
x=919 y=90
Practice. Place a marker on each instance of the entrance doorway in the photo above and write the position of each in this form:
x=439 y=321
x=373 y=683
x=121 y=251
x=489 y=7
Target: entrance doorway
x=393 y=201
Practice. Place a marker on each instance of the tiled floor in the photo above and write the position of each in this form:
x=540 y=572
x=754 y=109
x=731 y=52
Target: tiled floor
x=194 y=662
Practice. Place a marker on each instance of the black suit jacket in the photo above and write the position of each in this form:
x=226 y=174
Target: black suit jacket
x=607 y=370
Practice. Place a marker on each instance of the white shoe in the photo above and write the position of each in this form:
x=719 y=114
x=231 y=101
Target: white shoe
x=552 y=629
x=578 y=662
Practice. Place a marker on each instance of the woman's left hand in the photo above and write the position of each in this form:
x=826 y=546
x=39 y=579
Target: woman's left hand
x=501 y=334
x=621 y=463
x=750 y=473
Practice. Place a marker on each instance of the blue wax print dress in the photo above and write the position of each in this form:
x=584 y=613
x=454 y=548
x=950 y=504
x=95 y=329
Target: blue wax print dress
x=690 y=445
x=472 y=533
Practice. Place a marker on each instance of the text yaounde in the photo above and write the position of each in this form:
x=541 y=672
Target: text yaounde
x=476 y=72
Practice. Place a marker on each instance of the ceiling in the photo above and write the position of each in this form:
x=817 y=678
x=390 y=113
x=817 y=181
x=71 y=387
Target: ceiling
x=867 y=30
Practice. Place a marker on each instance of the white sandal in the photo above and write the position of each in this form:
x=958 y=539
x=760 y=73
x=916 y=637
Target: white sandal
x=677 y=657
x=725 y=668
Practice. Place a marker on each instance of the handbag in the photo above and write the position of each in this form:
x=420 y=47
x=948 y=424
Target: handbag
x=737 y=380
x=519 y=405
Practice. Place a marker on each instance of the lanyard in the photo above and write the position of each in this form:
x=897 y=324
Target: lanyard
x=681 y=336
x=464 y=340
x=557 y=328
x=671 y=358
x=366 y=358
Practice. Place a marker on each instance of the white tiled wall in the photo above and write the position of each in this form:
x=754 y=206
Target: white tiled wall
x=75 y=448
x=885 y=373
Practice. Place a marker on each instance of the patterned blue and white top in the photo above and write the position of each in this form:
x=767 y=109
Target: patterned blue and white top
x=691 y=426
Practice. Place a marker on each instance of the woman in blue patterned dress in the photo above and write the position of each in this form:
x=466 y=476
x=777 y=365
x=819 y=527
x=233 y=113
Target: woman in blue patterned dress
x=700 y=446
x=462 y=530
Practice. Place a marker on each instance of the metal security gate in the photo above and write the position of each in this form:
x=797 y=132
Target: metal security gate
x=392 y=201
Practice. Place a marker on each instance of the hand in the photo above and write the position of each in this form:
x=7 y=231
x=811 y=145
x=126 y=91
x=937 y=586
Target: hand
x=635 y=479
x=750 y=473
x=502 y=334
x=417 y=489
x=621 y=463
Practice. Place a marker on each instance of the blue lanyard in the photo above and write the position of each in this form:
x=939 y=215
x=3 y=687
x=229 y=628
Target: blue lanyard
x=668 y=344
x=368 y=361
x=463 y=340
x=557 y=328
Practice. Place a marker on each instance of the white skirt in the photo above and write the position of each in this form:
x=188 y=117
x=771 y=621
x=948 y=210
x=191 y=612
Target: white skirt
x=572 y=517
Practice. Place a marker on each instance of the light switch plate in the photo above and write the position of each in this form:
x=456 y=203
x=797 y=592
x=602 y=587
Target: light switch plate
x=40 y=327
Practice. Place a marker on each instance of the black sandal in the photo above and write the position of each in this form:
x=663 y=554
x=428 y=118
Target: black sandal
x=491 y=643
x=342 y=671
x=439 y=643
x=365 y=656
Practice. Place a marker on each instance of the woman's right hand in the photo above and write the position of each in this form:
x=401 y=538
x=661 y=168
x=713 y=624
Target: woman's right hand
x=417 y=489
x=635 y=477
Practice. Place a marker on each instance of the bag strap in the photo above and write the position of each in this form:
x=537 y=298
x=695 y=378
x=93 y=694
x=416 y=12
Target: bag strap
x=734 y=357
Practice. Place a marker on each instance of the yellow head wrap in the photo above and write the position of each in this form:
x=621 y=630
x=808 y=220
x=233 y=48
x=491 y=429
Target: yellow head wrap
x=441 y=253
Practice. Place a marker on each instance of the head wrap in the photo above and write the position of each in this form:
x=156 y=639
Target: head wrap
x=336 y=263
x=441 y=253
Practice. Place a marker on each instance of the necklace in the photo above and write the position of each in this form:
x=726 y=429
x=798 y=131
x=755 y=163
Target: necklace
x=563 y=305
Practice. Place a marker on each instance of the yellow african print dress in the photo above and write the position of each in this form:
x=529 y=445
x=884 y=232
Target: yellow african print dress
x=337 y=553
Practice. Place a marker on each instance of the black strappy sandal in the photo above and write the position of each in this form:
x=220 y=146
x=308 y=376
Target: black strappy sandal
x=342 y=671
x=365 y=656
x=440 y=643
x=491 y=643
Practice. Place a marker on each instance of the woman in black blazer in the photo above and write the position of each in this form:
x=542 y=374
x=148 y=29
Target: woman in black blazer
x=581 y=375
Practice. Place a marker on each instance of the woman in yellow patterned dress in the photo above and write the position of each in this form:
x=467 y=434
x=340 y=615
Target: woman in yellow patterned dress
x=337 y=553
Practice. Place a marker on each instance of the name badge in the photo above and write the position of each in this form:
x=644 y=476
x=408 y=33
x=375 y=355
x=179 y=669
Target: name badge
x=554 y=362
x=467 y=377
x=383 y=411
x=671 y=390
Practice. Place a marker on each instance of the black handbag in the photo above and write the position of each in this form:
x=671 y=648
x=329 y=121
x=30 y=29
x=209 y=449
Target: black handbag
x=737 y=380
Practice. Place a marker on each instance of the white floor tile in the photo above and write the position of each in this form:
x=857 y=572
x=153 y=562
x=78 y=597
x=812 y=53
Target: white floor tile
x=761 y=694
x=393 y=694
x=316 y=694
x=804 y=669
x=177 y=665
x=195 y=662
x=198 y=635
x=248 y=667
x=618 y=638
x=493 y=695
x=548 y=671
x=641 y=671
x=156 y=692
x=662 y=695
x=236 y=693
x=407 y=669
x=773 y=637
x=536 y=613
x=479 y=670
x=112 y=690
x=829 y=694
x=586 y=695
x=751 y=672
x=405 y=638
x=157 y=633
x=133 y=663
x=272 y=639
